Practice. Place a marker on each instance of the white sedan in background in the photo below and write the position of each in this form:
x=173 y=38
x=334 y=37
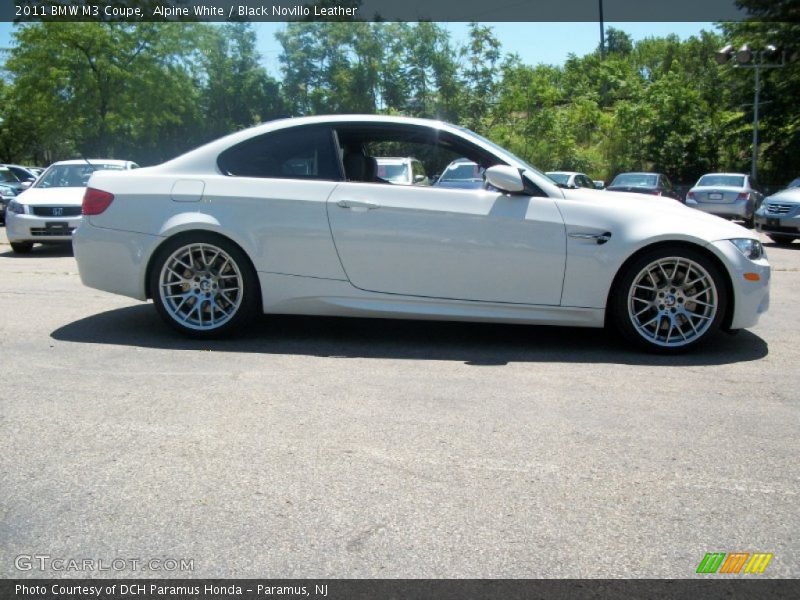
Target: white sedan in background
x=288 y=217
x=50 y=210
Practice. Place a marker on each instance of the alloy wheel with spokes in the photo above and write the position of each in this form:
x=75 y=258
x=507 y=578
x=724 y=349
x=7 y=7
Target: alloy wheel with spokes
x=202 y=286
x=671 y=301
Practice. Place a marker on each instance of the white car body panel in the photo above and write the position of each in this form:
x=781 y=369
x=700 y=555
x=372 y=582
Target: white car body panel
x=449 y=243
x=422 y=252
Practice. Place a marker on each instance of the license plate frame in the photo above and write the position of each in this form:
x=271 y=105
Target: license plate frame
x=57 y=226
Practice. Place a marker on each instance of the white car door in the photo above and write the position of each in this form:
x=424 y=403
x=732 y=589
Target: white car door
x=449 y=243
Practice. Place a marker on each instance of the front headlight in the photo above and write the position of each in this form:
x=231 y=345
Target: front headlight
x=16 y=208
x=752 y=249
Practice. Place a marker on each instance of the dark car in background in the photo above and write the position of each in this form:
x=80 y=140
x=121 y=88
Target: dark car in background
x=7 y=194
x=655 y=184
x=10 y=187
x=24 y=174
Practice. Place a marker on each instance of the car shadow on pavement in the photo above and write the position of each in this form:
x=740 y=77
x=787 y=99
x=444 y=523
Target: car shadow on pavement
x=50 y=250
x=794 y=246
x=478 y=344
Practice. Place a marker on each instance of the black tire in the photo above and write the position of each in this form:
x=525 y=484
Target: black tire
x=750 y=222
x=22 y=247
x=781 y=240
x=181 y=298
x=669 y=303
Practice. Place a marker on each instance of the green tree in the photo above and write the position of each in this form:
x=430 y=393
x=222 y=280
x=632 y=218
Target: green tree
x=106 y=89
x=237 y=90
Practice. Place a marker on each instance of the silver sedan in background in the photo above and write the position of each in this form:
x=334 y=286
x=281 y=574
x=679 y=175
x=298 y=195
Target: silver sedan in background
x=779 y=216
x=728 y=195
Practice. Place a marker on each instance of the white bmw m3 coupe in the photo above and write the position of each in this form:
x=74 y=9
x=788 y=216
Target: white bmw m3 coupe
x=290 y=217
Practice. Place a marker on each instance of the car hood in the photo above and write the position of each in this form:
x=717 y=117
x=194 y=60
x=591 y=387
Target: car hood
x=787 y=195
x=653 y=216
x=62 y=196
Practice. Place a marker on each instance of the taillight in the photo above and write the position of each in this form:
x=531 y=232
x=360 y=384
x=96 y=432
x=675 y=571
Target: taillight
x=743 y=196
x=690 y=196
x=96 y=201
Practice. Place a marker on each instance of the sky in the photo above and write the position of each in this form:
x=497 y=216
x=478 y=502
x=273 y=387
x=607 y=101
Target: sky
x=549 y=43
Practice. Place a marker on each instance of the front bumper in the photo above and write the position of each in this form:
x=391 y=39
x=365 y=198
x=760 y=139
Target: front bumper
x=32 y=228
x=784 y=223
x=750 y=298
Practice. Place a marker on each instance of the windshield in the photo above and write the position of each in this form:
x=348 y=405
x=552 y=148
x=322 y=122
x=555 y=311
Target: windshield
x=503 y=152
x=725 y=180
x=636 y=180
x=59 y=176
x=396 y=173
x=7 y=176
x=468 y=171
x=559 y=178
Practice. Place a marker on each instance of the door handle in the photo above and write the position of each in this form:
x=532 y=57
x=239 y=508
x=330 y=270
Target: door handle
x=357 y=204
x=600 y=238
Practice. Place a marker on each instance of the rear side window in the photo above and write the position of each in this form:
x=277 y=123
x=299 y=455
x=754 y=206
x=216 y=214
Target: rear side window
x=296 y=153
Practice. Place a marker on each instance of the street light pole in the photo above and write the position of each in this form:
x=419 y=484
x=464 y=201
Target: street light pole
x=602 y=31
x=748 y=59
x=756 y=98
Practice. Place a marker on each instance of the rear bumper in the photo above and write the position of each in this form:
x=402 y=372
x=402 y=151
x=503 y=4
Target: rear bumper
x=740 y=209
x=113 y=261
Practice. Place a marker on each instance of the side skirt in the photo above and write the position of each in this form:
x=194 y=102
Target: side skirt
x=295 y=295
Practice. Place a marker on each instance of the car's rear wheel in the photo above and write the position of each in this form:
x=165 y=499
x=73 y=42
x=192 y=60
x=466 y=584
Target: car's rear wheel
x=22 y=247
x=204 y=286
x=781 y=240
x=669 y=300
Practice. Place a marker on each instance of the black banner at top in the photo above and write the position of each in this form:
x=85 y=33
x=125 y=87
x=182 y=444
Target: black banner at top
x=377 y=10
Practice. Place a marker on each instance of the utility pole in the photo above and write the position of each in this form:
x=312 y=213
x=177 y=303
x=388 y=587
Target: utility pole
x=602 y=32
x=746 y=58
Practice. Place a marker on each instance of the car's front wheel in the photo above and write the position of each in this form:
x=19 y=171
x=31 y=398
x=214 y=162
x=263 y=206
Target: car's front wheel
x=669 y=300
x=204 y=286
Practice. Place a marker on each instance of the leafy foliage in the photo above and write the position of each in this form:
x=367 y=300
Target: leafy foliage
x=150 y=91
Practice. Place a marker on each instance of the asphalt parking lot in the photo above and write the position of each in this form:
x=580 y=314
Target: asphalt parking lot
x=368 y=448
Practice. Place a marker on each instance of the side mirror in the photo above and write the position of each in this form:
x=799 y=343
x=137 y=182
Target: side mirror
x=599 y=185
x=26 y=184
x=420 y=178
x=505 y=179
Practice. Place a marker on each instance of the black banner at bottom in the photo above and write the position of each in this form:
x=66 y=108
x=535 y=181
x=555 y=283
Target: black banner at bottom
x=394 y=589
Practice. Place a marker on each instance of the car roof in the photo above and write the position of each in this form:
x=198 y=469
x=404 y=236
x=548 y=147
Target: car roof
x=400 y=159
x=732 y=174
x=92 y=161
